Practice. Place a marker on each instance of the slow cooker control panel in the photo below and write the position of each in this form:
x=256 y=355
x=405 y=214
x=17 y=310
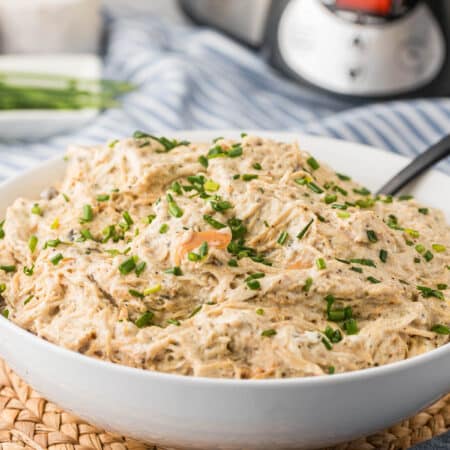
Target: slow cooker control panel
x=361 y=47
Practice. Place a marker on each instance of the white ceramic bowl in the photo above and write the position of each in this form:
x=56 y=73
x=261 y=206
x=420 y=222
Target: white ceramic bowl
x=215 y=413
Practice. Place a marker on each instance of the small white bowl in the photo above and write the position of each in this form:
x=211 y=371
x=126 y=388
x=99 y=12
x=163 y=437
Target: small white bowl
x=203 y=413
x=34 y=124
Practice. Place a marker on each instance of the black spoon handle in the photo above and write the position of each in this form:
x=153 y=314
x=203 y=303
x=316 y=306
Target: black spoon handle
x=434 y=154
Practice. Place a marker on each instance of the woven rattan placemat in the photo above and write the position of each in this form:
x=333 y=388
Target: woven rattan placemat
x=28 y=421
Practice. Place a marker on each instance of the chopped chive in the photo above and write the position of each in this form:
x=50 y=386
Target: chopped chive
x=53 y=243
x=113 y=143
x=372 y=236
x=152 y=290
x=216 y=152
x=2 y=288
x=362 y=191
x=140 y=267
x=343 y=177
x=211 y=186
x=203 y=250
x=203 y=160
x=128 y=220
x=193 y=257
x=87 y=215
x=145 y=320
x=343 y=261
x=235 y=151
x=55 y=224
x=307 y=285
x=164 y=228
x=127 y=266
x=439 y=248
x=312 y=162
x=176 y=187
x=350 y=326
x=55 y=260
x=257 y=166
x=28 y=299
x=87 y=235
x=429 y=292
x=423 y=211
x=8 y=269
x=253 y=284
x=413 y=233
x=340 y=190
x=221 y=205
x=383 y=255
x=440 y=329
x=331 y=370
x=249 y=176
x=136 y=293
x=305 y=229
x=366 y=202
x=301 y=181
x=321 y=264
x=103 y=198
x=327 y=343
x=330 y=198
x=428 y=256
x=175 y=322
x=236 y=176
x=260 y=312
x=356 y=269
x=5 y=313
x=28 y=271
x=195 y=311
x=373 y=280
x=32 y=243
x=405 y=197
x=364 y=262
x=36 y=209
x=283 y=237
x=149 y=219
x=420 y=248
x=214 y=223
x=442 y=286
x=268 y=333
x=334 y=335
x=343 y=214
x=232 y=263
x=315 y=188
x=339 y=206
x=66 y=197
x=174 y=209
x=174 y=271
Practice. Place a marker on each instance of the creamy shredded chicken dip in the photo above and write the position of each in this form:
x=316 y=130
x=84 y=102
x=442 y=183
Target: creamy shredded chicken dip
x=240 y=259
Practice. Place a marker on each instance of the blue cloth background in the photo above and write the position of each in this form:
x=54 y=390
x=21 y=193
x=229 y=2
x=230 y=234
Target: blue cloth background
x=193 y=78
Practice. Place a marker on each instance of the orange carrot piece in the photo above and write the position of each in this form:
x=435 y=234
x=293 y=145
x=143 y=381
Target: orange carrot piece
x=299 y=265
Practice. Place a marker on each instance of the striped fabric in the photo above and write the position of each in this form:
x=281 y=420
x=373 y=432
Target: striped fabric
x=194 y=78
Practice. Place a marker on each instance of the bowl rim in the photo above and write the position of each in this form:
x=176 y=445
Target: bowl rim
x=266 y=383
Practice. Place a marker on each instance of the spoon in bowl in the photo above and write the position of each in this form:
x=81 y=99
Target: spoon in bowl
x=417 y=166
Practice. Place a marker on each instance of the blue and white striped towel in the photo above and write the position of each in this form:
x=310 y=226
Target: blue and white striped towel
x=193 y=78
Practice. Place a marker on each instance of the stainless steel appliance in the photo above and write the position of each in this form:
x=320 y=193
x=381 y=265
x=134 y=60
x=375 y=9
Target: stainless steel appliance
x=361 y=48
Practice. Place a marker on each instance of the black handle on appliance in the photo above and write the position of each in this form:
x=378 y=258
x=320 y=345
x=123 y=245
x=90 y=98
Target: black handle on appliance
x=420 y=164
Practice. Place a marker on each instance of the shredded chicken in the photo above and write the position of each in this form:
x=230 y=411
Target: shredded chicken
x=246 y=259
